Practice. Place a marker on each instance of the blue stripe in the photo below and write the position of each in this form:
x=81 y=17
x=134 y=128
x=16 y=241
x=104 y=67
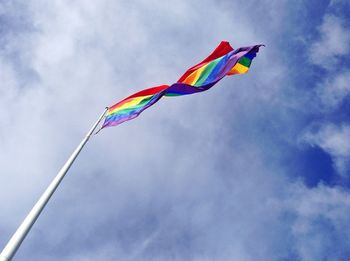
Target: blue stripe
x=213 y=75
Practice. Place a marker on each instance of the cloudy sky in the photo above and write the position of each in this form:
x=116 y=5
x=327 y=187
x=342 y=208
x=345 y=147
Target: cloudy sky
x=257 y=168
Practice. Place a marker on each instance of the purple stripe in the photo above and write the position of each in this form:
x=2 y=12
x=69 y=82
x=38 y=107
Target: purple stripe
x=184 y=89
x=116 y=119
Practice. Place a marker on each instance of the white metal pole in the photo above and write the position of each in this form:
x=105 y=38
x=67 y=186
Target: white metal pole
x=10 y=249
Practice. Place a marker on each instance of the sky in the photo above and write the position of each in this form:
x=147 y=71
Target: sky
x=256 y=168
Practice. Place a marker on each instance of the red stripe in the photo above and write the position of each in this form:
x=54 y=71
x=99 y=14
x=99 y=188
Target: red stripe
x=149 y=91
x=222 y=49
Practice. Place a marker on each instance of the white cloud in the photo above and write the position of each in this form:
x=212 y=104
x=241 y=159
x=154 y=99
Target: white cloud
x=319 y=214
x=171 y=183
x=153 y=174
x=330 y=51
x=334 y=42
x=334 y=90
x=334 y=140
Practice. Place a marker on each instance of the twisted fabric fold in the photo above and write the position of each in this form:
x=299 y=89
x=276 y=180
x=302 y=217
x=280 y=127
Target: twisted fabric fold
x=224 y=60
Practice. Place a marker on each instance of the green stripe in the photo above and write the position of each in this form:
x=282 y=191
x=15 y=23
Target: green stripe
x=245 y=61
x=172 y=94
x=126 y=110
x=206 y=72
x=136 y=106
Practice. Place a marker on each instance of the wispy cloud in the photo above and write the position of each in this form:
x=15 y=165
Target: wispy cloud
x=334 y=140
x=333 y=92
x=203 y=177
x=333 y=42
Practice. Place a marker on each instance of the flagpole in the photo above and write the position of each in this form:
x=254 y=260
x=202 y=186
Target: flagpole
x=14 y=243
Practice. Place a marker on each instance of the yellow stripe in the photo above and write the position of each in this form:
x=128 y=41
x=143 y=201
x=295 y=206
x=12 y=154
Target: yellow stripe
x=238 y=69
x=131 y=103
x=193 y=77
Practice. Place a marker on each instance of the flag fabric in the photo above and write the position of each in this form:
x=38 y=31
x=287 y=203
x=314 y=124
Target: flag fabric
x=223 y=61
x=133 y=105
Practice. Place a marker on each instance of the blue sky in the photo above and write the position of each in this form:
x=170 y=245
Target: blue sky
x=257 y=168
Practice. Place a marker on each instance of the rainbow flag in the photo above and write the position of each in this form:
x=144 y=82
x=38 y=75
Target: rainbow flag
x=133 y=105
x=223 y=61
